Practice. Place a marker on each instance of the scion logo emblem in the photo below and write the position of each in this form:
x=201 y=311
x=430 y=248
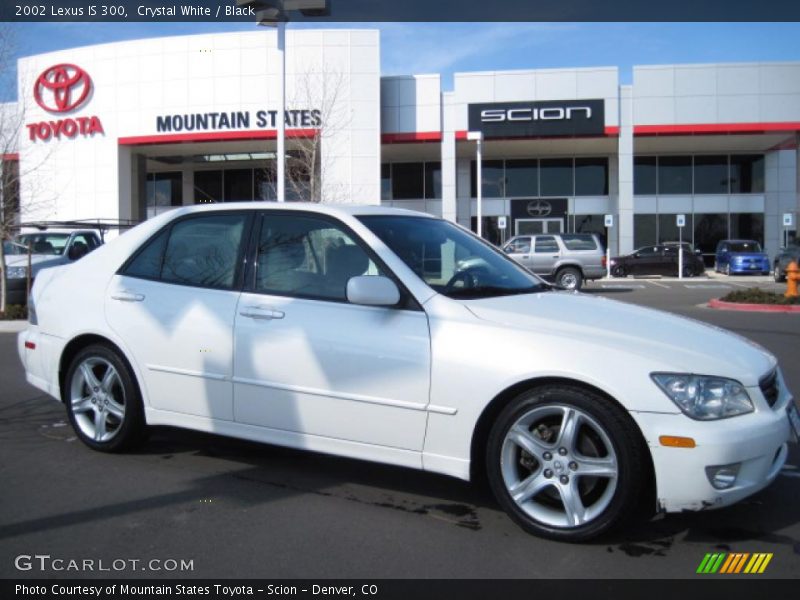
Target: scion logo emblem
x=539 y=208
x=62 y=88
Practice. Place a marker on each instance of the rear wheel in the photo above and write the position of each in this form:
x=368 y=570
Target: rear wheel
x=103 y=401
x=569 y=278
x=777 y=275
x=566 y=463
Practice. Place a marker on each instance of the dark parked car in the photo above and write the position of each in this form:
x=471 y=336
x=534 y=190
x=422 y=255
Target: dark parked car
x=741 y=256
x=657 y=260
x=782 y=260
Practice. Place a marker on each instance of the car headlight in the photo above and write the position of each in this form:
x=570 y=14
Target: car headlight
x=17 y=272
x=705 y=398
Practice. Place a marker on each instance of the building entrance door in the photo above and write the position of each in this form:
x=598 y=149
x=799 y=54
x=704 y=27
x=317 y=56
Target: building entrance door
x=535 y=226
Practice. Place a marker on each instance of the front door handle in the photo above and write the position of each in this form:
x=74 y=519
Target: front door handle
x=127 y=296
x=260 y=312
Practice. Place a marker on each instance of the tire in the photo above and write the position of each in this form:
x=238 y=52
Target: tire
x=728 y=269
x=569 y=278
x=103 y=401
x=688 y=271
x=606 y=438
x=777 y=275
x=619 y=271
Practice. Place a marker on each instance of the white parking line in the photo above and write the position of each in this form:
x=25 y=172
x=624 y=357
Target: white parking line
x=622 y=286
x=707 y=286
x=659 y=284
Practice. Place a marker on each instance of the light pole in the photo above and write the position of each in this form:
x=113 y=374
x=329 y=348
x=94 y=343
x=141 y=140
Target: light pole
x=274 y=13
x=477 y=137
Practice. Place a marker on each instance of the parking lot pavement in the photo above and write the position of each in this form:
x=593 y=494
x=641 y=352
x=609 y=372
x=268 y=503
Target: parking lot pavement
x=239 y=509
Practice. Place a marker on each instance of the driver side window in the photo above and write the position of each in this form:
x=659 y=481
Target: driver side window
x=309 y=257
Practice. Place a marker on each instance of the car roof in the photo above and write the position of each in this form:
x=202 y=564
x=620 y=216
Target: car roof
x=354 y=210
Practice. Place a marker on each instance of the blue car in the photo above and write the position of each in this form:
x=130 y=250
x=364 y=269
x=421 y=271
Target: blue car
x=741 y=256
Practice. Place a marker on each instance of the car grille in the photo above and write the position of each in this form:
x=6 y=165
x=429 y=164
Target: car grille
x=769 y=387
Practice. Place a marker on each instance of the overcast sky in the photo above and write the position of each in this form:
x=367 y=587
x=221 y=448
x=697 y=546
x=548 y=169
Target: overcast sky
x=451 y=47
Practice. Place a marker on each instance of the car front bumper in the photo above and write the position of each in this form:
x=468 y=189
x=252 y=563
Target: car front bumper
x=756 y=442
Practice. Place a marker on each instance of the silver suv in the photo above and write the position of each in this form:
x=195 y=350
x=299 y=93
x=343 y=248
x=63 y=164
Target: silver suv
x=567 y=258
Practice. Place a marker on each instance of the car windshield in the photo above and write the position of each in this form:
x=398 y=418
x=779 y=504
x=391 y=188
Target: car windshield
x=45 y=243
x=745 y=247
x=450 y=260
x=11 y=248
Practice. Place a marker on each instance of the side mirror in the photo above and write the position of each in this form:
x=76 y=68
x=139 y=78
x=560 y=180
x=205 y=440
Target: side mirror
x=508 y=249
x=76 y=251
x=372 y=290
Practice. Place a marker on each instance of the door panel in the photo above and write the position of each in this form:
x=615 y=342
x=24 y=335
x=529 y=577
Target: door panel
x=308 y=361
x=332 y=369
x=174 y=308
x=182 y=340
x=545 y=254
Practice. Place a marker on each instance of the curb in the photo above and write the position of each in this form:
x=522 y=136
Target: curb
x=773 y=308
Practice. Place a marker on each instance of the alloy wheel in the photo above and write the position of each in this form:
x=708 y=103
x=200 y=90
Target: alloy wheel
x=97 y=399
x=559 y=466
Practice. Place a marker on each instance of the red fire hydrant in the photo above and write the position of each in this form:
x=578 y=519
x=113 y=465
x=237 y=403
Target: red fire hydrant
x=792 y=279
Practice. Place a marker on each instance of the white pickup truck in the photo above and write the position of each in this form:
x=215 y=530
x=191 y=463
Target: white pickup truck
x=49 y=248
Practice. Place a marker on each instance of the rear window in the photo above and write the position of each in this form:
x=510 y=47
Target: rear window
x=579 y=242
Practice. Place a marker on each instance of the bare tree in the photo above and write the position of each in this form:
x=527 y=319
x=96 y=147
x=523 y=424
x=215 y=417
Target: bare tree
x=308 y=167
x=12 y=116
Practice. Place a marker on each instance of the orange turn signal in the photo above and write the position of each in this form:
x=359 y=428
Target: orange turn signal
x=675 y=441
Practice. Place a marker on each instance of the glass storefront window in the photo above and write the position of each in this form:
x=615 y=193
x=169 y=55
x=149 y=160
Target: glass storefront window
x=164 y=191
x=709 y=229
x=556 y=177
x=433 y=180
x=644 y=175
x=522 y=178
x=408 y=181
x=668 y=229
x=238 y=184
x=644 y=230
x=590 y=224
x=591 y=177
x=711 y=175
x=266 y=182
x=747 y=226
x=207 y=186
x=386 y=181
x=492 y=179
x=747 y=174
x=674 y=174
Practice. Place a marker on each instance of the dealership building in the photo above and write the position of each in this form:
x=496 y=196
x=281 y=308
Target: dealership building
x=126 y=130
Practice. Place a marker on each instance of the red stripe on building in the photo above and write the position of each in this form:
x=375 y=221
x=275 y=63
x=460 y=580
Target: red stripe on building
x=216 y=136
x=610 y=131
x=716 y=128
x=11 y=156
x=410 y=138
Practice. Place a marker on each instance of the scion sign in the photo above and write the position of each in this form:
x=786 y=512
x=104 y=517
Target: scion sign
x=538 y=119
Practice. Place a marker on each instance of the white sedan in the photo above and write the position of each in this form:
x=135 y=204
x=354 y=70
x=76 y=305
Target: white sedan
x=400 y=338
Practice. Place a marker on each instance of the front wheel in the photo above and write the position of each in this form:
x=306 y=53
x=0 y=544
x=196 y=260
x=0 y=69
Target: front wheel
x=569 y=278
x=566 y=463
x=619 y=271
x=103 y=401
x=777 y=275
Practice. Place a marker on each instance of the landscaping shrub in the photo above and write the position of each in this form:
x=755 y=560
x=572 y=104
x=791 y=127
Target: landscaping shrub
x=758 y=296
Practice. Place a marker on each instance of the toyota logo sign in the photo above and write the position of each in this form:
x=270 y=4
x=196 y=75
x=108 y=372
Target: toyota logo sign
x=539 y=208
x=62 y=88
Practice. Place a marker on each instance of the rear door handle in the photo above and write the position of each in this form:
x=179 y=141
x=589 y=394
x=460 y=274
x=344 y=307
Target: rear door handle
x=127 y=296
x=260 y=312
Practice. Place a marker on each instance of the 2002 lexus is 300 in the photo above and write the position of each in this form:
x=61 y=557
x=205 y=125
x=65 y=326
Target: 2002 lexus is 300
x=402 y=338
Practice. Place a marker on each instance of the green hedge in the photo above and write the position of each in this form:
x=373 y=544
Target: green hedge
x=758 y=296
x=14 y=312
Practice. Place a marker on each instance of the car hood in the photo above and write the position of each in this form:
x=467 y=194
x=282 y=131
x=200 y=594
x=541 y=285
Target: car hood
x=37 y=260
x=679 y=343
